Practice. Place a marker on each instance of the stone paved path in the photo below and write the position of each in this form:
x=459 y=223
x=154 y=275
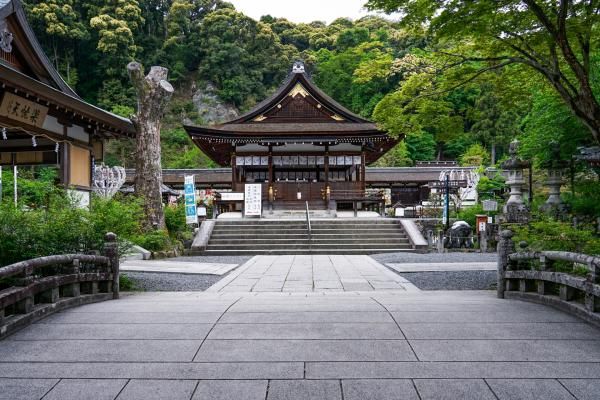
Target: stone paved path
x=357 y=345
x=176 y=267
x=312 y=273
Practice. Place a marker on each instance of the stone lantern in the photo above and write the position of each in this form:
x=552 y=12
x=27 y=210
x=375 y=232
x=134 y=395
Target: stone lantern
x=555 y=167
x=515 y=210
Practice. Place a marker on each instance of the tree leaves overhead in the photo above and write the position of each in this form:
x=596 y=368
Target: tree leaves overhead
x=556 y=39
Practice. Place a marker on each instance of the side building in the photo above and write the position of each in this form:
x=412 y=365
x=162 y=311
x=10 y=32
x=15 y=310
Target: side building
x=42 y=120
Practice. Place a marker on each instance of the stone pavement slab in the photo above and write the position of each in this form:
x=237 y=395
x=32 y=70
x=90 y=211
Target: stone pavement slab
x=306 y=317
x=453 y=389
x=25 y=389
x=158 y=390
x=98 y=350
x=177 y=267
x=529 y=389
x=379 y=389
x=583 y=389
x=304 y=350
x=307 y=331
x=113 y=331
x=89 y=389
x=304 y=390
x=231 y=390
x=507 y=350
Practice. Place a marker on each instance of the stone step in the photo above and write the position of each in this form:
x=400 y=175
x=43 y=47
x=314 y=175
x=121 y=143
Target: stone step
x=258 y=231
x=329 y=251
x=315 y=236
x=314 y=241
x=336 y=221
x=337 y=246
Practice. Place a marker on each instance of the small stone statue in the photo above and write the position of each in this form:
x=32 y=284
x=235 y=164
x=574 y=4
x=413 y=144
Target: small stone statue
x=459 y=236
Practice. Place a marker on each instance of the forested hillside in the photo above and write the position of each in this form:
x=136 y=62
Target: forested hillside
x=221 y=61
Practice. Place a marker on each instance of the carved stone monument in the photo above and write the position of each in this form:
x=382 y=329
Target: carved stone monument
x=515 y=210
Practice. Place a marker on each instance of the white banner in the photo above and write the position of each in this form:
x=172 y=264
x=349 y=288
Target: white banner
x=253 y=200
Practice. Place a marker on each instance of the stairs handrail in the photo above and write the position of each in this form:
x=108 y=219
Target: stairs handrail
x=308 y=227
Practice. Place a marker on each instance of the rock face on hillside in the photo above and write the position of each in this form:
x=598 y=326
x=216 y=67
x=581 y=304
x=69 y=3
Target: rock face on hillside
x=211 y=108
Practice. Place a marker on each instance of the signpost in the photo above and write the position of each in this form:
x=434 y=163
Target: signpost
x=189 y=188
x=446 y=216
x=253 y=200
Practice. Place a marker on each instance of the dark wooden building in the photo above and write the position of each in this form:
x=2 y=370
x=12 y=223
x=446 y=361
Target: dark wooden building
x=300 y=144
x=42 y=120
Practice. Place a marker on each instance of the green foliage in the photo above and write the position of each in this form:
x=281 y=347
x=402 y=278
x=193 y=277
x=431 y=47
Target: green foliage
x=399 y=156
x=550 y=120
x=548 y=234
x=585 y=204
x=175 y=221
x=158 y=240
x=475 y=156
x=490 y=187
x=469 y=214
x=180 y=152
x=126 y=284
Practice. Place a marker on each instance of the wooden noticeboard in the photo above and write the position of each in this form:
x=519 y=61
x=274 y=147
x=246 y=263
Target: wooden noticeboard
x=22 y=110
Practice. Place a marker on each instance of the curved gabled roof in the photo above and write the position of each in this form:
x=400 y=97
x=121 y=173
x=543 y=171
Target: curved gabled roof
x=14 y=7
x=302 y=78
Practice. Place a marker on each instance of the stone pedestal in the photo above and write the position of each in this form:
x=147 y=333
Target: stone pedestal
x=554 y=182
x=515 y=181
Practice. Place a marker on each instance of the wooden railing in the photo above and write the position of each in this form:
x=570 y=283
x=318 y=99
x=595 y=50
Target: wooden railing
x=33 y=289
x=569 y=281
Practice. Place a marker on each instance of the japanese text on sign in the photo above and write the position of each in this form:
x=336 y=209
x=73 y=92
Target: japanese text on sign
x=189 y=189
x=253 y=200
x=19 y=109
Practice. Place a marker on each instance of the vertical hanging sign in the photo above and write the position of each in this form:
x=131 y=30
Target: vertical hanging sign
x=253 y=200
x=189 y=188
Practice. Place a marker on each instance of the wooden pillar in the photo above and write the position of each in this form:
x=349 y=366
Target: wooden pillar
x=233 y=172
x=271 y=176
x=363 y=168
x=326 y=165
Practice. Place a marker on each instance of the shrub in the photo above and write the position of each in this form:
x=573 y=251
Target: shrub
x=154 y=241
x=560 y=236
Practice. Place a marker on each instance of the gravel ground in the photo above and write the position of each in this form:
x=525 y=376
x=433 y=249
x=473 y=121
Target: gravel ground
x=454 y=257
x=164 y=282
x=451 y=280
x=455 y=280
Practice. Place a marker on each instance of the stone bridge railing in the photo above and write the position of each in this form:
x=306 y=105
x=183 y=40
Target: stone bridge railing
x=569 y=281
x=32 y=289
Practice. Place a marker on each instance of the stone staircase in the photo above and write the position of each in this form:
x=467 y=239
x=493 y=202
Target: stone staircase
x=329 y=236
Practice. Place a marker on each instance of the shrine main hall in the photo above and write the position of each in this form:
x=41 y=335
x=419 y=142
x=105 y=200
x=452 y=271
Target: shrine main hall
x=299 y=144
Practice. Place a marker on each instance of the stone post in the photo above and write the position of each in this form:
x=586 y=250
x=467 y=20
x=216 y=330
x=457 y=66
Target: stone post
x=440 y=241
x=483 y=242
x=591 y=301
x=506 y=246
x=111 y=250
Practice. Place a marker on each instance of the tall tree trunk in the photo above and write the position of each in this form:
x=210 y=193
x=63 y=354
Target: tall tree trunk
x=153 y=95
x=493 y=153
